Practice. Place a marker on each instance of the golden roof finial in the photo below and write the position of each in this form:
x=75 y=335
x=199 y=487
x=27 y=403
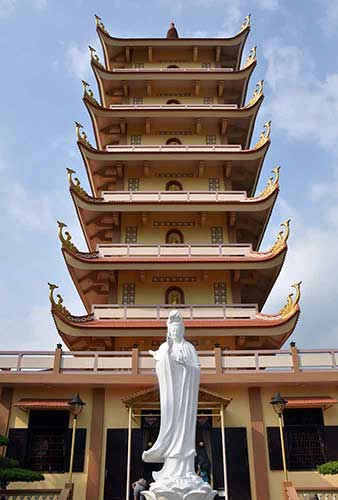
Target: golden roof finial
x=282 y=237
x=251 y=57
x=94 y=56
x=257 y=94
x=76 y=184
x=100 y=25
x=66 y=238
x=87 y=92
x=272 y=184
x=246 y=23
x=82 y=136
x=291 y=302
x=57 y=303
x=264 y=136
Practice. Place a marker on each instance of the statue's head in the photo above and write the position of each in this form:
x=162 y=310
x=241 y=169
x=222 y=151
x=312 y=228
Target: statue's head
x=175 y=326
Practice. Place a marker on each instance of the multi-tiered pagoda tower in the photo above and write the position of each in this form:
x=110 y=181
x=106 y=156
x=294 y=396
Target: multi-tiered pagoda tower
x=173 y=218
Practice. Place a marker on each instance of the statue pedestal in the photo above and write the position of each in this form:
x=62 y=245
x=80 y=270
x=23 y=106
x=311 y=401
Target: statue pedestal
x=178 y=488
x=179 y=495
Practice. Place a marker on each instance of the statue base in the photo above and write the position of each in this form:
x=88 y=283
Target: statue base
x=180 y=495
x=191 y=487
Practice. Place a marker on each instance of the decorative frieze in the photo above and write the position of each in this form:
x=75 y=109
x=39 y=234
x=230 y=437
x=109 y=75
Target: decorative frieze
x=174 y=175
x=167 y=223
x=174 y=279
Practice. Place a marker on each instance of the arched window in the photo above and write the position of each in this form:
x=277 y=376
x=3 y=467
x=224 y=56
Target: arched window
x=174 y=296
x=173 y=141
x=173 y=186
x=173 y=101
x=172 y=66
x=174 y=237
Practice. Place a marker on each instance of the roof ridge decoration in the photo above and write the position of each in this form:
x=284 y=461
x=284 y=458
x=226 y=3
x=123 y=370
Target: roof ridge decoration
x=272 y=184
x=282 y=237
x=76 y=184
x=94 y=57
x=59 y=303
x=246 y=23
x=66 y=238
x=291 y=302
x=257 y=94
x=87 y=92
x=100 y=25
x=264 y=135
x=251 y=57
x=82 y=136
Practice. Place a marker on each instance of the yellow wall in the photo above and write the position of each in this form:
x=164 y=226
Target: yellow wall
x=190 y=139
x=162 y=99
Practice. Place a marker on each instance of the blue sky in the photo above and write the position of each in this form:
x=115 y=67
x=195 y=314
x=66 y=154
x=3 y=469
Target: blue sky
x=44 y=57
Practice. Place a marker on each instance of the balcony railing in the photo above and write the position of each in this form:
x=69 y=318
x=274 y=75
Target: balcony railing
x=172 y=70
x=174 y=196
x=29 y=493
x=137 y=250
x=160 y=312
x=323 y=493
x=177 y=148
x=190 y=107
x=220 y=362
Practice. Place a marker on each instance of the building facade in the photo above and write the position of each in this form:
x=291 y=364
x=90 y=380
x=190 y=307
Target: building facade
x=174 y=220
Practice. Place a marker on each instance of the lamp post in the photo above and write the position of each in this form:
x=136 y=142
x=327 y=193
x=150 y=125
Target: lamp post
x=278 y=403
x=75 y=407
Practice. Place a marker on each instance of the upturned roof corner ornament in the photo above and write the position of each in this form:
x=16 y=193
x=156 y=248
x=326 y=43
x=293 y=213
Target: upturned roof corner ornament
x=246 y=23
x=100 y=25
x=282 y=237
x=76 y=184
x=251 y=57
x=87 y=92
x=82 y=136
x=57 y=304
x=66 y=238
x=272 y=183
x=291 y=302
x=264 y=136
x=257 y=94
x=94 y=57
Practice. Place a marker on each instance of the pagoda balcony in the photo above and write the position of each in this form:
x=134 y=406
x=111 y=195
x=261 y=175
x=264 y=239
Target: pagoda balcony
x=174 y=196
x=174 y=148
x=134 y=366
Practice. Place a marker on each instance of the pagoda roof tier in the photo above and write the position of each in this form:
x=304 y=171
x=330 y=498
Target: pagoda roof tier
x=242 y=166
x=118 y=84
x=111 y=124
x=256 y=272
x=240 y=321
x=98 y=216
x=226 y=50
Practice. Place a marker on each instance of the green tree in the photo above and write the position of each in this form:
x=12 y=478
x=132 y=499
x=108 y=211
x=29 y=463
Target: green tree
x=11 y=472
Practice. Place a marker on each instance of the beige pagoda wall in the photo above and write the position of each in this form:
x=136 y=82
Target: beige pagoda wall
x=189 y=139
x=183 y=99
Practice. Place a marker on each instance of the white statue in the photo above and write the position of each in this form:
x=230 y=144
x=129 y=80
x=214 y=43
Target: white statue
x=178 y=373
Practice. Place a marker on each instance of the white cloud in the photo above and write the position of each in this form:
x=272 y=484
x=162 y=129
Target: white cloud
x=40 y=4
x=301 y=103
x=7 y=7
x=268 y=4
x=78 y=59
x=329 y=18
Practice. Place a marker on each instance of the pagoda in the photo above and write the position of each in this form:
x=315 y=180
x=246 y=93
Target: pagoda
x=173 y=219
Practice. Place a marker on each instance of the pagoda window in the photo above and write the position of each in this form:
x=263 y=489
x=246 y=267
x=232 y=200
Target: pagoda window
x=174 y=296
x=138 y=100
x=135 y=139
x=173 y=101
x=139 y=65
x=174 y=237
x=206 y=65
x=214 y=184
x=208 y=100
x=173 y=141
x=220 y=293
x=47 y=440
x=210 y=139
x=217 y=235
x=131 y=234
x=128 y=294
x=172 y=66
x=133 y=184
x=174 y=186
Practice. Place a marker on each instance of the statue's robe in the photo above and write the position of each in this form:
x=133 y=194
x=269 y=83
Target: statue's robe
x=178 y=372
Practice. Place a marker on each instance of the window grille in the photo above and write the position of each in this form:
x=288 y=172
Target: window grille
x=214 y=184
x=128 y=294
x=217 y=235
x=133 y=184
x=138 y=100
x=211 y=139
x=135 y=139
x=220 y=293
x=206 y=65
x=139 y=65
x=131 y=234
x=208 y=100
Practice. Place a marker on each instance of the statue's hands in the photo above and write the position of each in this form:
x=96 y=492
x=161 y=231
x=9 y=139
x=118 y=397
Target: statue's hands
x=152 y=353
x=170 y=342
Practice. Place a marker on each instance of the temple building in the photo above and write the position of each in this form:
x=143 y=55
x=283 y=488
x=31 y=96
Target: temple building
x=174 y=220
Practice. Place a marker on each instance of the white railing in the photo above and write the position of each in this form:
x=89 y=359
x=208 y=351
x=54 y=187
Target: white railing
x=173 y=196
x=29 y=494
x=160 y=312
x=155 y=107
x=171 y=70
x=322 y=494
x=137 y=250
x=179 y=148
x=140 y=362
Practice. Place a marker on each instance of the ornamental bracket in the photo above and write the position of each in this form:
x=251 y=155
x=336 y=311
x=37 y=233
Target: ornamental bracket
x=246 y=23
x=94 y=57
x=76 y=184
x=272 y=184
x=87 y=92
x=251 y=57
x=264 y=136
x=57 y=304
x=291 y=302
x=282 y=237
x=257 y=94
x=100 y=25
x=66 y=238
x=82 y=136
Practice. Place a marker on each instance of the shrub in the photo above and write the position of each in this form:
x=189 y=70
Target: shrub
x=328 y=468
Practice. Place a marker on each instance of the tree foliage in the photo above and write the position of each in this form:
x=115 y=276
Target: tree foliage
x=328 y=468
